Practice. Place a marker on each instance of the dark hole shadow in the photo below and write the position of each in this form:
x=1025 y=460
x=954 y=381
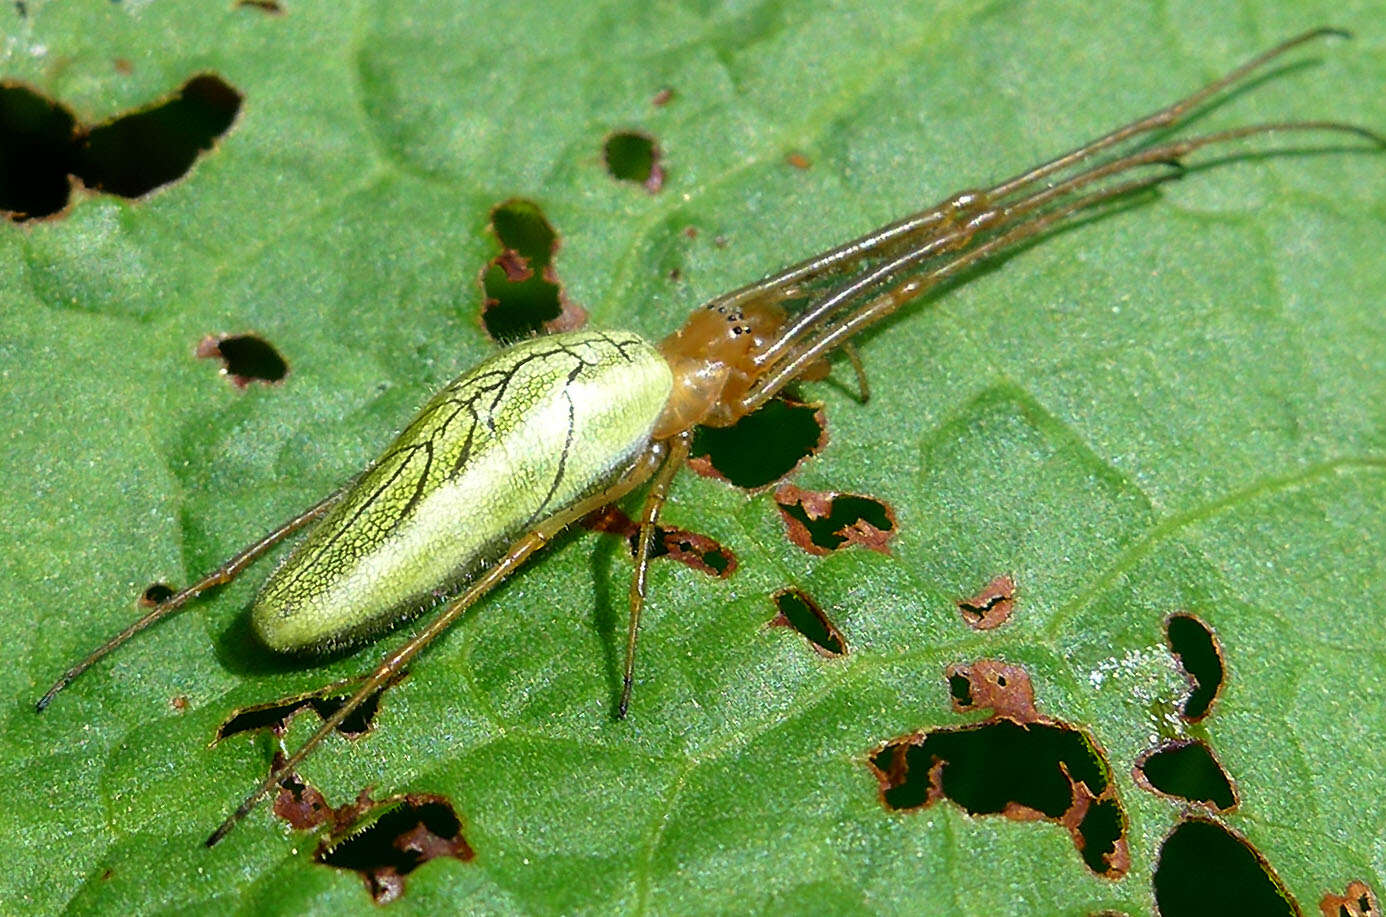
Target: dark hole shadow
x=522 y=296
x=763 y=446
x=1020 y=770
x=37 y=153
x=1192 y=643
x=42 y=145
x=324 y=702
x=245 y=358
x=134 y=154
x=1204 y=868
x=410 y=833
x=824 y=522
x=633 y=156
x=799 y=611
x=155 y=594
x=1187 y=771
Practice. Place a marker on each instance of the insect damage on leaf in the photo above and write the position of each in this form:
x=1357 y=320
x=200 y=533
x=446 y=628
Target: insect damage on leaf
x=1186 y=770
x=987 y=684
x=821 y=522
x=522 y=295
x=154 y=594
x=1199 y=655
x=43 y=146
x=388 y=840
x=992 y=606
x=633 y=156
x=1205 y=867
x=796 y=609
x=1017 y=763
x=275 y=716
x=1358 y=900
x=689 y=548
x=762 y=447
x=383 y=841
x=245 y=358
x=300 y=804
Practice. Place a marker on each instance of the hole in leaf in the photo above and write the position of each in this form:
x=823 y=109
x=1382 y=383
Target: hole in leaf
x=960 y=688
x=395 y=838
x=761 y=447
x=1100 y=831
x=1000 y=687
x=1196 y=649
x=136 y=153
x=992 y=606
x=522 y=295
x=1186 y=770
x=298 y=803
x=1017 y=764
x=634 y=157
x=1205 y=868
x=1021 y=771
x=42 y=144
x=276 y=715
x=799 y=611
x=37 y=150
x=522 y=227
x=155 y=594
x=689 y=548
x=1357 y=901
x=823 y=522
x=265 y=6
x=245 y=358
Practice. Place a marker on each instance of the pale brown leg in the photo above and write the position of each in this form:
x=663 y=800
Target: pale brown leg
x=218 y=577
x=863 y=386
x=885 y=303
x=911 y=231
x=1019 y=219
x=654 y=502
x=518 y=552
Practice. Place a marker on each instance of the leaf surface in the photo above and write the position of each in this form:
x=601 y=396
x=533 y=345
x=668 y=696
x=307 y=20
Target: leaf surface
x=1176 y=407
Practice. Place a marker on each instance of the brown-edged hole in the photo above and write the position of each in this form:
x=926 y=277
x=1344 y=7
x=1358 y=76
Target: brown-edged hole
x=403 y=836
x=245 y=358
x=761 y=447
x=633 y=156
x=1204 y=868
x=1192 y=643
x=797 y=609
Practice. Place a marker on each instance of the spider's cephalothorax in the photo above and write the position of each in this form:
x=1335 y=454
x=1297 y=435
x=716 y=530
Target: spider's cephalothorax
x=715 y=357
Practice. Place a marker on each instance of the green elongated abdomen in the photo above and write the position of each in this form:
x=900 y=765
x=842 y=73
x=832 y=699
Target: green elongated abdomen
x=530 y=431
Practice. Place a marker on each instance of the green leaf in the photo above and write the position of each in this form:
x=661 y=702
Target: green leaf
x=1175 y=407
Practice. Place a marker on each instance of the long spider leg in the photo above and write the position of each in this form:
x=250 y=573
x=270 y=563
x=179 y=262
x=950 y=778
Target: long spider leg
x=885 y=303
x=649 y=517
x=878 y=307
x=1166 y=117
x=902 y=233
x=220 y=576
x=517 y=554
x=820 y=311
